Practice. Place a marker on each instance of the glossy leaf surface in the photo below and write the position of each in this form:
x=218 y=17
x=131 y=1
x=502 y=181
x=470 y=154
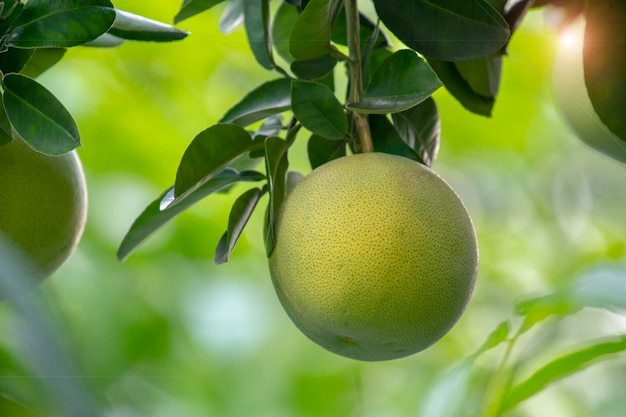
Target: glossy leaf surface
x=310 y=37
x=257 y=23
x=134 y=27
x=61 y=23
x=386 y=139
x=38 y=116
x=401 y=82
x=191 y=8
x=449 y=30
x=317 y=108
x=420 y=128
x=270 y=98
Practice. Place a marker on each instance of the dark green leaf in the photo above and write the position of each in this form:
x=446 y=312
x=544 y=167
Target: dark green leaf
x=482 y=74
x=61 y=23
x=561 y=368
x=38 y=116
x=208 y=153
x=41 y=60
x=315 y=68
x=449 y=30
x=257 y=23
x=293 y=178
x=134 y=27
x=239 y=215
x=268 y=99
x=401 y=82
x=276 y=165
x=449 y=74
x=193 y=7
x=420 y=128
x=604 y=59
x=161 y=211
x=284 y=20
x=317 y=108
x=367 y=28
x=387 y=140
x=322 y=150
x=310 y=37
x=232 y=17
x=14 y=59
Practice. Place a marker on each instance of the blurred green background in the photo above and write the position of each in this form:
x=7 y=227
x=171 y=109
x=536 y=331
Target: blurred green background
x=168 y=333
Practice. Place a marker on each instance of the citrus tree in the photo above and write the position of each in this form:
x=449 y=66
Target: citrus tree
x=354 y=79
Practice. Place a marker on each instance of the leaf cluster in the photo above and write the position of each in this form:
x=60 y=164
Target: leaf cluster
x=34 y=36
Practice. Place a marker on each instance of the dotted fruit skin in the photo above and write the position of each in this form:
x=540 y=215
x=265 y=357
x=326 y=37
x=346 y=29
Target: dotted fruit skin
x=43 y=203
x=375 y=257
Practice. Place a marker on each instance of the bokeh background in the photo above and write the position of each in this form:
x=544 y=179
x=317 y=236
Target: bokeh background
x=168 y=333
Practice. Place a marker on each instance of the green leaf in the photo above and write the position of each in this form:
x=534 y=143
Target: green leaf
x=193 y=7
x=317 y=108
x=482 y=74
x=6 y=136
x=239 y=215
x=38 y=116
x=386 y=139
x=420 y=128
x=257 y=23
x=161 y=211
x=61 y=23
x=314 y=68
x=401 y=82
x=449 y=74
x=208 y=153
x=322 y=150
x=134 y=27
x=293 y=178
x=604 y=60
x=284 y=20
x=367 y=28
x=41 y=60
x=310 y=37
x=276 y=165
x=561 y=368
x=232 y=17
x=448 y=396
x=106 y=40
x=497 y=336
x=14 y=59
x=270 y=98
x=448 y=30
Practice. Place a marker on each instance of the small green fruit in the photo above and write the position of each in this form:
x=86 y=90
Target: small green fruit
x=43 y=203
x=375 y=256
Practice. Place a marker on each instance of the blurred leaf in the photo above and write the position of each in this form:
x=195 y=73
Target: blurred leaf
x=208 y=153
x=322 y=150
x=193 y=7
x=448 y=30
x=268 y=99
x=257 y=23
x=61 y=23
x=310 y=37
x=12 y=408
x=14 y=59
x=448 y=396
x=270 y=127
x=232 y=17
x=314 y=68
x=239 y=215
x=482 y=74
x=284 y=20
x=317 y=108
x=293 y=178
x=497 y=336
x=401 y=82
x=562 y=367
x=420 y=128
x=276 y=165
x=41 y=60
x=153 y=217
x=387 y=140
x=106 y=40
x=449 y=74
x=604 y=59
x=38 y=116
x=134 y=27
x=6 y=135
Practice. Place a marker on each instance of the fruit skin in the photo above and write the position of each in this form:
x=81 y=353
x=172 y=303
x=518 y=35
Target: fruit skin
x=43 y=203
x=375 y=257
x=573 y=100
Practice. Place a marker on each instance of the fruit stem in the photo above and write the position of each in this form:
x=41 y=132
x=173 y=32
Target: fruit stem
x=360 y=124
